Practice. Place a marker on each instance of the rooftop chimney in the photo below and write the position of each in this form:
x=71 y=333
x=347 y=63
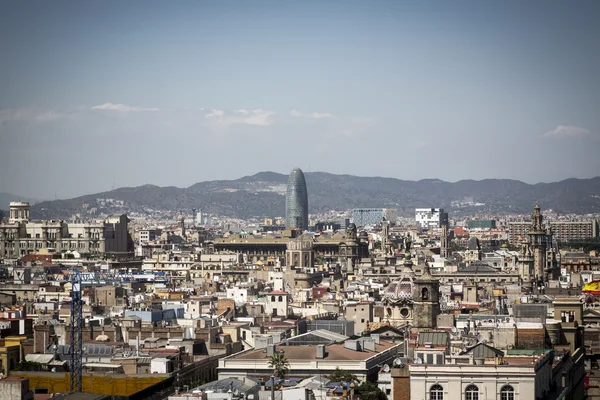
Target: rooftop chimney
x=320 y=351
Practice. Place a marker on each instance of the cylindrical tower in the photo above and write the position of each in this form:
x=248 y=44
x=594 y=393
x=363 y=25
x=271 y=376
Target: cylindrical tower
x=296 y=201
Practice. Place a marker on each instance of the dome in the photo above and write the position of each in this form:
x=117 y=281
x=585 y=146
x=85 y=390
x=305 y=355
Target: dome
x=399 y=290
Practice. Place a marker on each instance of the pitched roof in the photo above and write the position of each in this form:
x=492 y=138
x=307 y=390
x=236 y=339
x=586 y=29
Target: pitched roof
x=482 y=350
x=436 y=338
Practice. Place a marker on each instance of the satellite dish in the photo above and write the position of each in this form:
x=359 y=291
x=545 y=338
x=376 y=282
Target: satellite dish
x=386 y=368
x=418 y=360
x=454 y=330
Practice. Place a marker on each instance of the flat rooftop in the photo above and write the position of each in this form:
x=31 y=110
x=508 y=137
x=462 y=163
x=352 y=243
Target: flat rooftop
x=303 y=353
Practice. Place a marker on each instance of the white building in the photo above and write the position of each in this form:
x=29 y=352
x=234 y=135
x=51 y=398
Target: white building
x=478 y=376
x=430 y=217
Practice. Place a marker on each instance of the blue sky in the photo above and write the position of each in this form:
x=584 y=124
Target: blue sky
x=96 y=94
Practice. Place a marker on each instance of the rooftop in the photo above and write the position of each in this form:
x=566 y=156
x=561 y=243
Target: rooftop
x=307 y=353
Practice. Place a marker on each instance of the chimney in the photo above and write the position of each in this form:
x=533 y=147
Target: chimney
x=321 y=351
x=270 y=349
x=376 y=337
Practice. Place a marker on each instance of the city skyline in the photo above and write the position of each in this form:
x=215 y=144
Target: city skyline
x=105 y=95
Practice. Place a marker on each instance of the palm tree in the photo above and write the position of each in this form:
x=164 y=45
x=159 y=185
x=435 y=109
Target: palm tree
x=279 y=364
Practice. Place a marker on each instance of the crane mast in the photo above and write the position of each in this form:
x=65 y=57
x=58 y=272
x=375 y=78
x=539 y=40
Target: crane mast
x=76 y=347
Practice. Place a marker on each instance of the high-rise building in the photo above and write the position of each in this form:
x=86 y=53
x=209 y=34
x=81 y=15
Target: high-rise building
x=431 y=217
x=373 y=216
x=296 y=201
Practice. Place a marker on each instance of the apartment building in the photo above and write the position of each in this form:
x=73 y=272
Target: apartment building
x=20 y=236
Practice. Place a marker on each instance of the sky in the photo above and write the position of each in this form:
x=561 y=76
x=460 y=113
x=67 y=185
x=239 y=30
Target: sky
x=100 y=95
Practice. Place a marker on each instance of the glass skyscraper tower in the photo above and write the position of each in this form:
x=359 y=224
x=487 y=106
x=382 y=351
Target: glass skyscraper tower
x=296 y=201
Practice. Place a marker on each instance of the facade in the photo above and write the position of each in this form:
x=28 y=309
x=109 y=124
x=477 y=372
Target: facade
x=22 y=236
x=431 y=217
x=562 y=231
x=373 y=216
x=149 y=235
x=515 y=378
x=296 y=201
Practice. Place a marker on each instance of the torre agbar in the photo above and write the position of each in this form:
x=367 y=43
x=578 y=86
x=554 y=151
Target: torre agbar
x=296 y=201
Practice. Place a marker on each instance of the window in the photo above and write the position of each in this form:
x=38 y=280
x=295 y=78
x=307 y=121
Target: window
x=436 y=393
x=472 y=393
x=507 y=393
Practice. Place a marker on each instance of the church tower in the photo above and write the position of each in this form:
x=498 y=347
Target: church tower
x=181 y=224
x=426 y=300
x=537 y=239
x=444 y=241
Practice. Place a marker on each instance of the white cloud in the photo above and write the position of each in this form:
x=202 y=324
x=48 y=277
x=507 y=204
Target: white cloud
x=215 y=113
x=567 y=131
x=314 y=115
x=121 y=108
x=258 y=117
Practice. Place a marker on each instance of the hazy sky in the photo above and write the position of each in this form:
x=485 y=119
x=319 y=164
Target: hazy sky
x=96 y=94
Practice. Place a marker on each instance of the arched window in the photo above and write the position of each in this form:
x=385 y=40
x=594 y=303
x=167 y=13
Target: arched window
x=436 y=393
x=280 y=298
x=507 y=393
x=273 y=298
x=425 y=294
x=472 y=393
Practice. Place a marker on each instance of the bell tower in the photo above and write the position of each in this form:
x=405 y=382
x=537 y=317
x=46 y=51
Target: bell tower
x=537 y=239
x=426 y=300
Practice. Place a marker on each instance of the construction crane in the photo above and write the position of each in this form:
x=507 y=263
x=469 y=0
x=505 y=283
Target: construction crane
x=76 y=348
x=78 y=279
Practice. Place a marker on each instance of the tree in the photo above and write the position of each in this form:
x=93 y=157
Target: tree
x=368 y=391
x=279 y=364
x=340 y=375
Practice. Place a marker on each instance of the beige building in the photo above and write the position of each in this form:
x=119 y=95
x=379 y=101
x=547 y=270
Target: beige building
x=20 y=236
x=563 y=231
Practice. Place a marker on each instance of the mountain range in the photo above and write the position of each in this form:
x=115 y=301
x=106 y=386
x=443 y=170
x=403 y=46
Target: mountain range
x=263 y=194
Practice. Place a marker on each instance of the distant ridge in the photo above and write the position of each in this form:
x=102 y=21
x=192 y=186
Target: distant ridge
x=6 y=198
x=262 y=194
